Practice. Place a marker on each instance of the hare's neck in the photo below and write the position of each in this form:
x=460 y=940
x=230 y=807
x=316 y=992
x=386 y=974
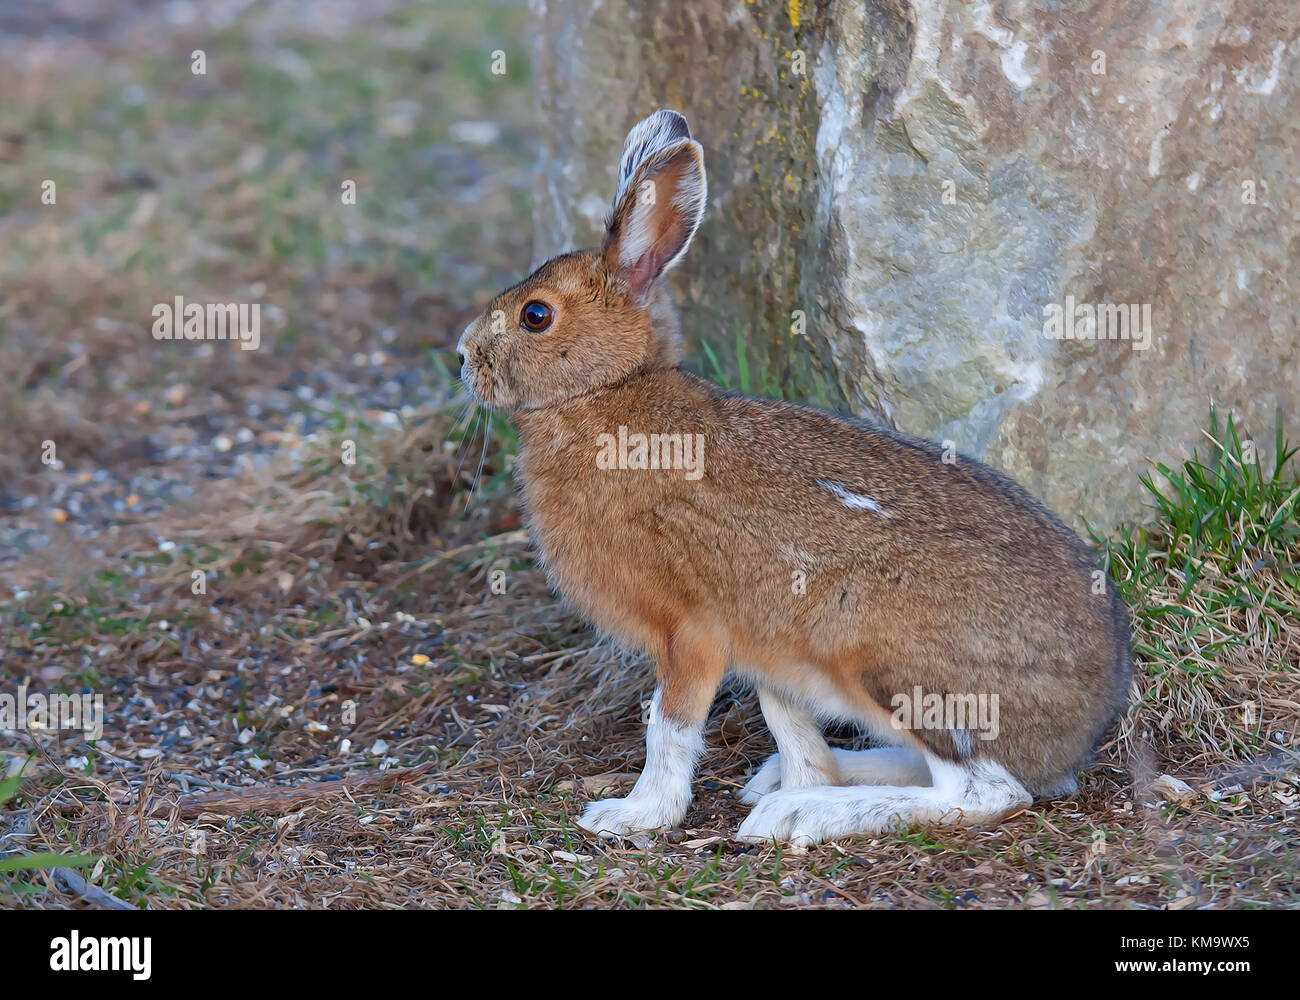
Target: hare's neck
x=564 y=433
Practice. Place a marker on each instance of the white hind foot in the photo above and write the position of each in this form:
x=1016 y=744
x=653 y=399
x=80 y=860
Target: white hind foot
x=766 y=779
x=904 y=766
x=803 y=761
x=969 y=793
x=878 y=766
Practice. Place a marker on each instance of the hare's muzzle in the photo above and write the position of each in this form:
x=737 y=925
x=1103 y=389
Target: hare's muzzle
x=467 y=372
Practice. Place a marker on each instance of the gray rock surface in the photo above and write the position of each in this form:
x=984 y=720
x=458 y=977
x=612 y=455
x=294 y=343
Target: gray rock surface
x=924 y=181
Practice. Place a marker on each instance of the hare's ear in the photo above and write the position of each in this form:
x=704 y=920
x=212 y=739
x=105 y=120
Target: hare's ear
x=659 y=202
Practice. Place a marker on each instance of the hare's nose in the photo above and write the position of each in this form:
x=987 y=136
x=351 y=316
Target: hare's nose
x=460 y=346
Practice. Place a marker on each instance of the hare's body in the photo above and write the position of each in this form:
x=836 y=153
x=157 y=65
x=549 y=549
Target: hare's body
x=850 y=572
x=838 y=563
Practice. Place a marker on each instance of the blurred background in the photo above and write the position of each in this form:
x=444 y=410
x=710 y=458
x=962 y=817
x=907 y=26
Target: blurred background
x=227 y=186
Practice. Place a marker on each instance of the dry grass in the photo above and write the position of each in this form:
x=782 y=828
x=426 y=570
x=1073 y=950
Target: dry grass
x=376 y=701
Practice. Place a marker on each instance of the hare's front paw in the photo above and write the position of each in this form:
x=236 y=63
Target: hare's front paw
x=621 y=817
x=766 y=779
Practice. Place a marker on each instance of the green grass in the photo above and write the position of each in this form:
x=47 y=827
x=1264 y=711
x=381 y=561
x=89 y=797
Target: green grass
x=15 y=868
x=1218 y=520
x=1224 y=511
x=1212 y=582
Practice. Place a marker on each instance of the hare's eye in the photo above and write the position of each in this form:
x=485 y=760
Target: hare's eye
x=536 y=316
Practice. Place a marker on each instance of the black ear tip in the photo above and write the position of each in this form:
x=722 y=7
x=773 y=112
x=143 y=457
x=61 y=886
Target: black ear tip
x=671 y=124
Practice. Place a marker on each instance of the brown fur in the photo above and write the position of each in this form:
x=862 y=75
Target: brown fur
x=963 y=583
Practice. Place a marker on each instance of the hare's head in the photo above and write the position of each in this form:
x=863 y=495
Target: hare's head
x=589 y=319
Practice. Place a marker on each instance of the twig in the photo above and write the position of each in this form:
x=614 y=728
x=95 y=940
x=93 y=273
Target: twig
x=287 y=798
x=70 y=881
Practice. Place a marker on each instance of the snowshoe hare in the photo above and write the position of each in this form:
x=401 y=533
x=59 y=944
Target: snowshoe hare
x=848 y=571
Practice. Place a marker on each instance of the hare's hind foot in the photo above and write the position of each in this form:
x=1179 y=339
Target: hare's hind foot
x=802 y=760
x=969 y=793
x=764 y=781
x=878 y=766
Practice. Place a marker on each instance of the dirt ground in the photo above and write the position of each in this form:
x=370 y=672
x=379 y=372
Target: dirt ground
x=367 y=696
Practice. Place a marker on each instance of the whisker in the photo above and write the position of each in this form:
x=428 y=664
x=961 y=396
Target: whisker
x=466 y=445
x=487 y=433
x=465 y=411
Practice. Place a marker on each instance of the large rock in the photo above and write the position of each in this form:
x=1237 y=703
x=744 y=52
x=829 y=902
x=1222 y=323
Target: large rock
x=939 y=176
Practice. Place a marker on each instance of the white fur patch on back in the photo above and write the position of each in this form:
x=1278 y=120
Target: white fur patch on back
x=851 y=500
